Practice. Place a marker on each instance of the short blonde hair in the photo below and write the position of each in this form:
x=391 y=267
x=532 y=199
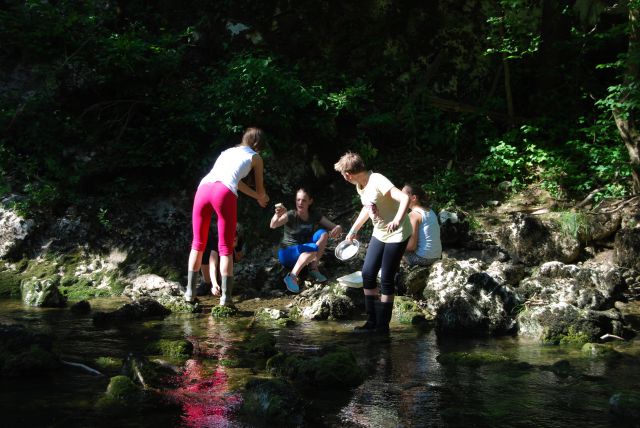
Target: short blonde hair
x=350 y=163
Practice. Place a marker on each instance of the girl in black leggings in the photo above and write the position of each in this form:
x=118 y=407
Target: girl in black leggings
x=386 y=206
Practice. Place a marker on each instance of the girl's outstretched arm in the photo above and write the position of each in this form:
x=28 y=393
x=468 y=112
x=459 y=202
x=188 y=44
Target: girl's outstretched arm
x=362 y=218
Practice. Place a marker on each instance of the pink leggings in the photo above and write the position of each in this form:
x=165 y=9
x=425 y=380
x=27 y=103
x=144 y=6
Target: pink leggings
x=209 y=197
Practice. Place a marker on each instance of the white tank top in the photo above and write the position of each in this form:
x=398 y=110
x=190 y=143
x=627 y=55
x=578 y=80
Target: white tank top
x=232 y=165
x=429 y=245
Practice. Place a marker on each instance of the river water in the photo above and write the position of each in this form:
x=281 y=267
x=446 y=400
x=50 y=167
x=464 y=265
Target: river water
x=405 y=386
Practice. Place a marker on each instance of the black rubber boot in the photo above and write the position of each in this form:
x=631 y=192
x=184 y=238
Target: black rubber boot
x=369 y=308
x=190 y=292
x=383 y=316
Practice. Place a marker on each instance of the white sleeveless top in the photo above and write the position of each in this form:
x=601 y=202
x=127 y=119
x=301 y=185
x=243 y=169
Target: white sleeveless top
x=232 y=165
x=429 y=245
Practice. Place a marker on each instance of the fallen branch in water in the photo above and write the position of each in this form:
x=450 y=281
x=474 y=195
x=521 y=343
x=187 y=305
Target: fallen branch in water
x=138 y=374
x=83 y=367
x=610 y=336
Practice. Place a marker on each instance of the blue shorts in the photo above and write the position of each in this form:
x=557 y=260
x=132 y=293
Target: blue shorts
x=288 y=256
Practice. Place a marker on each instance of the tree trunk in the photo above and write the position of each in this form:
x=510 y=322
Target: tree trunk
x=507 y=87
x=627 y=121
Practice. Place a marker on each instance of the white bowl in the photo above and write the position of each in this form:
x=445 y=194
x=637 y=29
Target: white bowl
x=347 y=249
x=353 y=280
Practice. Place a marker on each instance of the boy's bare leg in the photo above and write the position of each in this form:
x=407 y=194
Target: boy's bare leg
x=214 y=263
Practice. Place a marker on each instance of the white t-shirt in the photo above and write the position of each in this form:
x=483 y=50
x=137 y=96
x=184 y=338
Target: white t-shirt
x=383 y=208
x=232 y=165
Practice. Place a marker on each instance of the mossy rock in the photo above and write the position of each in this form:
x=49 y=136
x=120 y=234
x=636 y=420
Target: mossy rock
x=172 y=348
x=46 y=268
x=285 y=365
x=143 y=309
x=153 y=373
x=122 y=388
x=599 y=350
x=230 y=362
x=109 y=364
x=29 y=362
x=42 y=292
x=177 y=304
x=81 y=288
x=23 y=353
x=472 y=359
x=337 y=368
x=122 y=396
x=407 y=310
x=223 y=311
x=76 y=289
x=9 y=284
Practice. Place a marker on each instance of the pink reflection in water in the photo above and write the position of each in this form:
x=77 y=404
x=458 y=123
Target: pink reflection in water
x=205 y=397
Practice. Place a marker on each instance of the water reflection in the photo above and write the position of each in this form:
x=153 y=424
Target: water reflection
x=405 y=386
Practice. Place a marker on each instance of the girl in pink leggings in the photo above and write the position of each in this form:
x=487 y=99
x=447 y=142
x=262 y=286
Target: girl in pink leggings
x=218 y=191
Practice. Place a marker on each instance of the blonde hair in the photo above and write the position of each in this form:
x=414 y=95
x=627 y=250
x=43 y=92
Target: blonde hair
x=254 y=138
x=350 y=162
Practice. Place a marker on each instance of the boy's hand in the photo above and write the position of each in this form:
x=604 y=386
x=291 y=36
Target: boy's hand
x=215 y=289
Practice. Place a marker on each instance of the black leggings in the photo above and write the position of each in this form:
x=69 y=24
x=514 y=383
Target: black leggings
x=386 y=257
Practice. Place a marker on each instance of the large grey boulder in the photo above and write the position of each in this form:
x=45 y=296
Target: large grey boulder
x=14 y=229
x=467 y=300
x=331 y=302
x=167 y=293
x=571 y=303
x=531 y=240
x=599 y=226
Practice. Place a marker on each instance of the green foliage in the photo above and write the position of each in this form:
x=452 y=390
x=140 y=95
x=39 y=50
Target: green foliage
x=515 y=28
x=443 y=189
x=599 y=160
x=516 y=159
x=100 y=101
x=258 y=89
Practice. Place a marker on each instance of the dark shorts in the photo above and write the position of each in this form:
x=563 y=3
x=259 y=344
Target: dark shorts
x=413 y=259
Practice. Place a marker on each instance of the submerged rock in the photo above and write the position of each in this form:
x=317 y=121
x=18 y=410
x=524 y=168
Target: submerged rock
x=625 y=406
x=81 y=307
x=136 y=311
x=172 y=348
x=335 y=368
x=219 y=311
x=271 y=402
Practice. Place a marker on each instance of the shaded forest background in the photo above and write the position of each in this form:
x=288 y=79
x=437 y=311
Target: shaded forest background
x=105 y=101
